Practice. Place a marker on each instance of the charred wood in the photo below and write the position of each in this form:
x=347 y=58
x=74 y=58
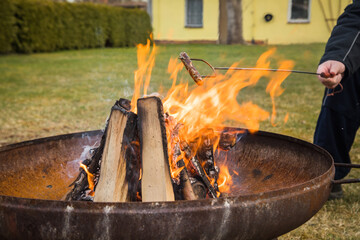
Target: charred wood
x=182 y=185
x=80 y=191
x=205 y=154
x=199 y=188
x=197 y=169
x=113 y=185
x=229 y=139
x=187 y=189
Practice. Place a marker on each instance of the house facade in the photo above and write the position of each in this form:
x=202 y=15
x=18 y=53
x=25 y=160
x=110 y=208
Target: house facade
x=235 y=21
x=185 y=20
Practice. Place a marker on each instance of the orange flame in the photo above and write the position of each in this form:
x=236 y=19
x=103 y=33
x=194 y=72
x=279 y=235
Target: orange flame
x=214 y=104
x=90 y=178
x=274 y=87
x=225 y=180
x=286 y=118
x=146 y=62
x=174 y=67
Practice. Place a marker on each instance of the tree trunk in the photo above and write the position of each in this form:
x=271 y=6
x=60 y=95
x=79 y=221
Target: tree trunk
x=230 y=22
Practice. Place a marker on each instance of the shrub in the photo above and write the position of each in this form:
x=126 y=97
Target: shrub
x=35 y=26
x=116 y=27
x=7 y=25
x=138 y=27
x=44 y=25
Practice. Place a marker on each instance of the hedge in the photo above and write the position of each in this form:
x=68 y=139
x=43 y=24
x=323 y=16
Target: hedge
x=7 y=27
x=44 y=26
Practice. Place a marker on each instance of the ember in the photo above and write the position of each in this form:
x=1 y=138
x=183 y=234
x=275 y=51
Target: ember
x=188 y=116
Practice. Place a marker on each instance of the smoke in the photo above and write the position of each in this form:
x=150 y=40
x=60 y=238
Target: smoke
x=72 y=167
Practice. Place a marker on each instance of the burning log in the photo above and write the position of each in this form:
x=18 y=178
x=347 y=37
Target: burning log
x=229 y=139
x=113 y=184
x=197 y=168
x=205 y=154
x=198 y=188
x=186 y=187
x=182 y=187
x=114 y=168
x=81 y=184
x=156 y=182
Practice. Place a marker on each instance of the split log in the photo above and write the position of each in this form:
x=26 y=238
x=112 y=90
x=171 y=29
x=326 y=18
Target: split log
x=156 y=183
x=113 y=185
x=80 y=189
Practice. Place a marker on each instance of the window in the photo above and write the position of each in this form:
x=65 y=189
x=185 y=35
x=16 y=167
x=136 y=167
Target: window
x=194 y=13
x=299 y=11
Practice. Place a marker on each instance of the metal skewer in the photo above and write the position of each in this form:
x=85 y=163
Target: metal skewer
x=199 y=79
x=266 y=69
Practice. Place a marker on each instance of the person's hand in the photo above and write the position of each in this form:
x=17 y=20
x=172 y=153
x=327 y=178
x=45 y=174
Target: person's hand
x=331 y=73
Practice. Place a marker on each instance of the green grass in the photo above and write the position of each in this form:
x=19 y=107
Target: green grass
x=63 y=92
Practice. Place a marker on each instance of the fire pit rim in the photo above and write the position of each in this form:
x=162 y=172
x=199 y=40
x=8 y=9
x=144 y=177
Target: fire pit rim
x=129 y=207
x=283 y=192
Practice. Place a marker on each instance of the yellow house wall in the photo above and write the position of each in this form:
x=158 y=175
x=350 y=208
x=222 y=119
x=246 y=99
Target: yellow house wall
x=279 y=31
x=169 y=21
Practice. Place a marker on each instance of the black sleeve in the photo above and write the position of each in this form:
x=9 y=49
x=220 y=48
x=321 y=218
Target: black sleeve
x=344 y=42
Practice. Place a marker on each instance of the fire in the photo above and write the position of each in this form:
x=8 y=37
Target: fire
x=215 y=103
x=174 y=67
x=212 y=105
x=224 y=180
x=142 y=76
x=90 y=178
x=274 y=87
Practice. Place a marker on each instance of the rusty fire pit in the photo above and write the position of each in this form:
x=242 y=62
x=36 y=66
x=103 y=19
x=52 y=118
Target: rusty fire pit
x=282 y=183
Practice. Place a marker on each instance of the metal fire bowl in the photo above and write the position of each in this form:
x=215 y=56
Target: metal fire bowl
x=282 y=183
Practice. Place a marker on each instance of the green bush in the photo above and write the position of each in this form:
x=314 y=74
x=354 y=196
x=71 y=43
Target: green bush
x=116 y=27
x=7 y=25
x=138 y=27
x=35 y=26
x=43 y=26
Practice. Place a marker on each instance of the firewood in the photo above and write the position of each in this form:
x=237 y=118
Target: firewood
x=229 y=139
x=156 y=183
x=80 y=189
x=183 y=185
x=187 y=189
x=113 y=185
x=197 y=168
x=205 y=154
x=198 y=188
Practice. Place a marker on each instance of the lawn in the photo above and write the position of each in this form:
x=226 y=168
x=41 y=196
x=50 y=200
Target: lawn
x=55 y=93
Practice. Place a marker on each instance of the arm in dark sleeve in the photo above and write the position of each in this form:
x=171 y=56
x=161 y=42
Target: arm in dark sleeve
x=344 y=42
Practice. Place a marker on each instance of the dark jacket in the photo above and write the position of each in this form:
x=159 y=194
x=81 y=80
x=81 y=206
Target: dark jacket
x=344 y=46
x=344 y=43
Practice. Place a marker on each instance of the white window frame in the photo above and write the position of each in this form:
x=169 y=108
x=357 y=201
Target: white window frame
x=298 y=20
x=187 y=25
